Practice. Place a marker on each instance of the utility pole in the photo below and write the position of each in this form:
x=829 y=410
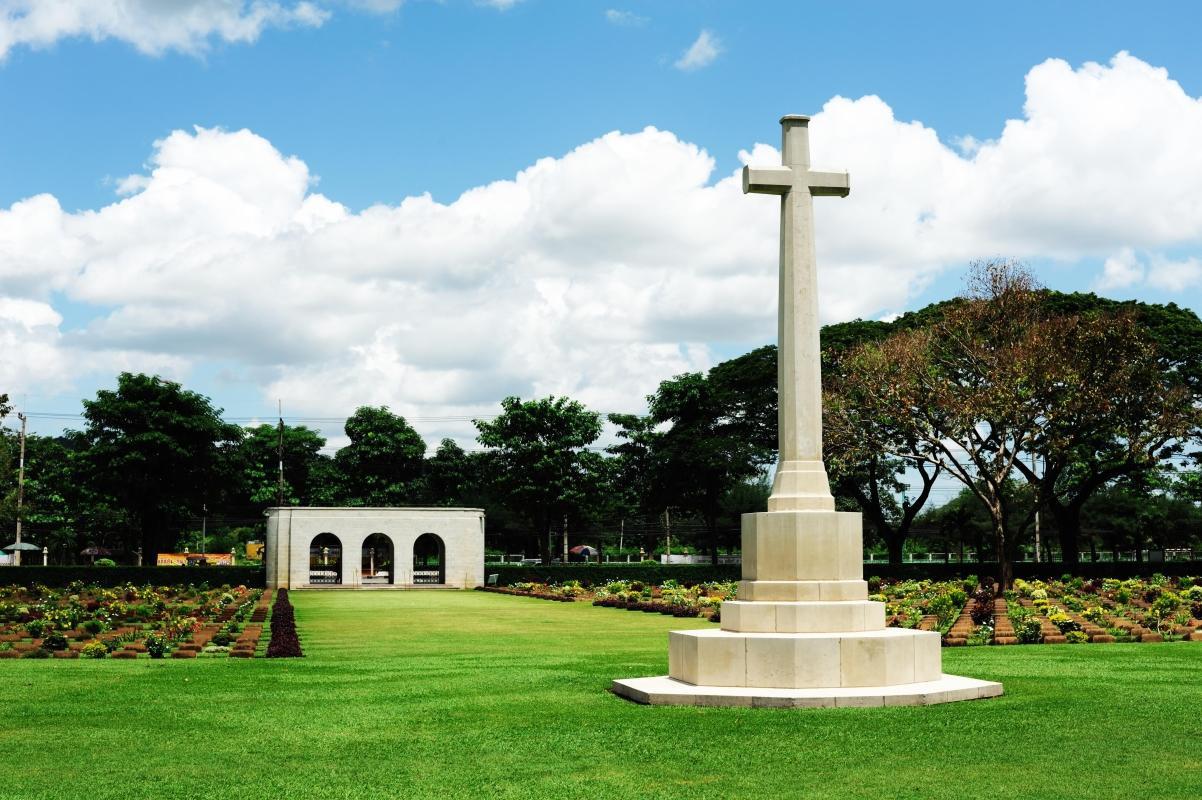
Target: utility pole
x=1037 y=559
x=621 y=533
x=565 y=538
x=20 y=485
x=668 y=528
x=204 y=527
x=280 y=456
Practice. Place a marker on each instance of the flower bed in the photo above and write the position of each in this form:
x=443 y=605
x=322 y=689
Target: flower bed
x=1070 y=610
x=670 y=597
x=122 y=622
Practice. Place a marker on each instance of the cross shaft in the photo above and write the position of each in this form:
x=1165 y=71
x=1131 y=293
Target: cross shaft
x=801 y=483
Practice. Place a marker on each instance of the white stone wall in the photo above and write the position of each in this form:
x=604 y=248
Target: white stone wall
x=290 y=531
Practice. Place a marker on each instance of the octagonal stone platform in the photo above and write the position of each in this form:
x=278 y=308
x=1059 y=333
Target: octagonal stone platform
x=882 y=657
x=665 y=691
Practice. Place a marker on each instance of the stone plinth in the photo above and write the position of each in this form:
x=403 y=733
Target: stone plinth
x=803 y=633
x=665 y=691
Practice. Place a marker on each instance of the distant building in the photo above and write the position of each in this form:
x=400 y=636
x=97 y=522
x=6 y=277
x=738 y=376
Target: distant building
x=195 y=560
x=375 y=547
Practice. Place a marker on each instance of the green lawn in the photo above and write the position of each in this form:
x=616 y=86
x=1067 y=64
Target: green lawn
x=466 y=694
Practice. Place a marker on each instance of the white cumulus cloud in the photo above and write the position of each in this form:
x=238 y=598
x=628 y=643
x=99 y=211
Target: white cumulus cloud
x=595 y=273
x=152 y=26
x=701 y=53
x=628 y=19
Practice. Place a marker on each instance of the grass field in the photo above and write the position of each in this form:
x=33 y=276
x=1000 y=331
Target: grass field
x=458 y=694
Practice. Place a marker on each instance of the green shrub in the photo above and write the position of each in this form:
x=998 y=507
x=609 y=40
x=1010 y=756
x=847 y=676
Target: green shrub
x=1028 y=631
x=126 y=575
x=156 y=645
x=40 y=652
x=54 y=641
x=1076 y=637
x=94 y=649
x=35 y=628
x=943 y=607
x=93 y=626
x=104 y=562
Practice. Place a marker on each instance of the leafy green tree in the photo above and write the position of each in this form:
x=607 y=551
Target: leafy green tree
x=384 y=463
x=159 y=450
x=744 y=391
x=963 y=523
x=451 y=475
x=705 y=452
x=259 y=460
x=862 y=478
x=47 y=513
x=540 y=460
x=971 y=390
x=1138 y=393
x=1141 y=512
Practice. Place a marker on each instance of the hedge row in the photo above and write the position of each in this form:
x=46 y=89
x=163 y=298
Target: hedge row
x=591 y=574
x=284 y=640
x=689 y=574
x=116 y=576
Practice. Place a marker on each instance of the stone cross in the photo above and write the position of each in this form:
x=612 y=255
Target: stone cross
x=801 y=483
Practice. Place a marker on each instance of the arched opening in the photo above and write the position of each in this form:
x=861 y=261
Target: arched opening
x=377 y=560
x=429 y=559
x=325 y=559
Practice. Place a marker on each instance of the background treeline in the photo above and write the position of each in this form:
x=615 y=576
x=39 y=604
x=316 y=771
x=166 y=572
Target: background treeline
x=1080 y=408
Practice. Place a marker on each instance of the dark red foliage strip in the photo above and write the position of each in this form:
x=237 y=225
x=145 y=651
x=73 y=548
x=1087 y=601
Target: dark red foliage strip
x=284 y=642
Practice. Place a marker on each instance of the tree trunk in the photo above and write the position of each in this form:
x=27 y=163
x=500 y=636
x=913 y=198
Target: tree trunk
x=149 y=523
x=711 y=522
x=1068 y=531
x=895 y=544
x=1005 y=565
x=547 y=545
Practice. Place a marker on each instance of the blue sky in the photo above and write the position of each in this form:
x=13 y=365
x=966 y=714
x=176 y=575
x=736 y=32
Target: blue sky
x=442 y=98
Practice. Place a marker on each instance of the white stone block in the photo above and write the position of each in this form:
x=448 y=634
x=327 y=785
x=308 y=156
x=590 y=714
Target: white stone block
x=863 y=660
x=682 y=656
x=771 y=662
x=928 y=656
x=749 y=617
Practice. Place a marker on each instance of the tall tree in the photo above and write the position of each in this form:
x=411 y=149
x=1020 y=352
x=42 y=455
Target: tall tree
x=975 y=389
x=705 y=452
x=384 y=462
x=862 y=478
x=450 y=475
x=259 y=462
x=161 y=451
x=540 y=461
x=1136 y=383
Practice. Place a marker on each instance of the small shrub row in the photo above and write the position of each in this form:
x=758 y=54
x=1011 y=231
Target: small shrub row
x=649 y=607
x=527 y=593
x=139 y=576
x=284 y=641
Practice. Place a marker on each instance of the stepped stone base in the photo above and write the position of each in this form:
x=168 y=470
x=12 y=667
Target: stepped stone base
x=803 y=631
x=882 y=657
x=666 y=691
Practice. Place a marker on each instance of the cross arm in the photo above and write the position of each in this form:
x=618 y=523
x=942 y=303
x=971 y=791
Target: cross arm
x=828 y=184
x=767 y=180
